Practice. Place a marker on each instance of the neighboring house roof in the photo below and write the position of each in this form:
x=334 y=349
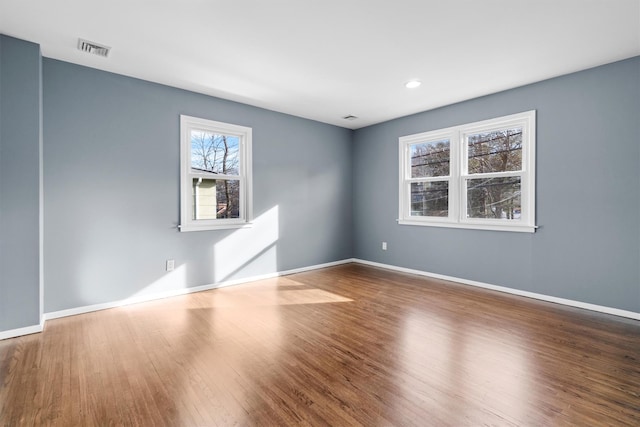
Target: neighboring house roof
x=201 y=171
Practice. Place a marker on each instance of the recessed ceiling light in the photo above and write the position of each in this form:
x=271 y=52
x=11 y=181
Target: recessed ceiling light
x=350 y=117
x=412 y=84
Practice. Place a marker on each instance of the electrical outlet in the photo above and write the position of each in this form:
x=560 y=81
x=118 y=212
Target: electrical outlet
x=384 y=246
x=171 y=264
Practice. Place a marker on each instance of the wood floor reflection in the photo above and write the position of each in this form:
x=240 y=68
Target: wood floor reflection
x=349 y=345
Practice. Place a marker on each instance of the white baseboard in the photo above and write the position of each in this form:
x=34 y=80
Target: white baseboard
x=184 y=291
x=134 y=300
x=572 y=303
x=12 y=333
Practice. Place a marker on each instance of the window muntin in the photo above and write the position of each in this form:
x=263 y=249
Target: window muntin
x=215 y=175
x=478 y=175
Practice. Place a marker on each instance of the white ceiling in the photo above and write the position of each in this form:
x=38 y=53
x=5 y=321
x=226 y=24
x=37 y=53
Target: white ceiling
x=325 y=59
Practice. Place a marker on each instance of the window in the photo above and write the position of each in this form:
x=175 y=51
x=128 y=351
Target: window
x=215 y=175
x=479 y=175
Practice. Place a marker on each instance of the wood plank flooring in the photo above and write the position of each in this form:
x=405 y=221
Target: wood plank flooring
x=348 y=345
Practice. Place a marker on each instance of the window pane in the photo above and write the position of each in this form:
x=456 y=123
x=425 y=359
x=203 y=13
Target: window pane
x=497 y=198
x=216 y=153
x=215 y=198
x=430 y=198
x=495 y=151
x=430 y=159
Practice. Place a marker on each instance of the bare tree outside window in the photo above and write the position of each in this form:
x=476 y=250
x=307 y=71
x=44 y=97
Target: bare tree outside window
x=217 y=155
x=216 y=188
x=477 y=175
x=430 y=159
x=489 y=152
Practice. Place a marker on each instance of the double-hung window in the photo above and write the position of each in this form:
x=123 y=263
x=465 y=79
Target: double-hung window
x=478 y=175
x=215 y=175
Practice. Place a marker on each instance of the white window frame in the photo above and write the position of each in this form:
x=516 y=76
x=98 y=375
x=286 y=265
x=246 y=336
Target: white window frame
x=458 y=175
x=244 y=134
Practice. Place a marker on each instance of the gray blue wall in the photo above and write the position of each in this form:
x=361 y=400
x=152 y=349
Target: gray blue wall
x=111 y=169
x=20 y=186
x=321 y=193
x=588 y=193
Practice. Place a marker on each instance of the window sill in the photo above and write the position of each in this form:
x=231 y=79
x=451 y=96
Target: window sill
x=488 y=227
x=190 y=227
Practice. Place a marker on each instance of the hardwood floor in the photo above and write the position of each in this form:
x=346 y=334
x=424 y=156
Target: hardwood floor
x=349 y=345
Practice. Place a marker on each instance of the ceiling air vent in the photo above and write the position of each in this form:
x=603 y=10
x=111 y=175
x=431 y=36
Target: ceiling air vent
x=350 y=117
x=94 y=48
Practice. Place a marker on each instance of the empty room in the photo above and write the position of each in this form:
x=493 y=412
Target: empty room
x=340 y=213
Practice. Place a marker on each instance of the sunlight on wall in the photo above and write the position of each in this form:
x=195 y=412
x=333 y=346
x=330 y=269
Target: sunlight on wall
x=172 y=283
x=248 y=245
x=251 y=251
